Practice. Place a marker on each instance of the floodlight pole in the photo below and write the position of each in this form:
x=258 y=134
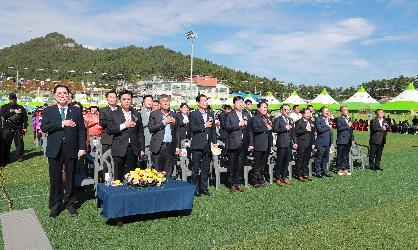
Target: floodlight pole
x=191 y=36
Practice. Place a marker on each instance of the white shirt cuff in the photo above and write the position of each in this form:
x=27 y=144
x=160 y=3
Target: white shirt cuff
x=122 y=126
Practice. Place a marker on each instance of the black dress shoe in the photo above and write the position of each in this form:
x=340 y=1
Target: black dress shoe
x=72 y=211
x=54 y=214
x=327 y=175
x=379 y=168
x=197 y=194
x=206 y=192
x=318 y=176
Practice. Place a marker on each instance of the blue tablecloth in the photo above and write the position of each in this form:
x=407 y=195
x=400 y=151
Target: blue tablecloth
x=124 y=200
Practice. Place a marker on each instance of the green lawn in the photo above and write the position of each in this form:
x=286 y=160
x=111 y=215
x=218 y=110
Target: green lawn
x=365 y=210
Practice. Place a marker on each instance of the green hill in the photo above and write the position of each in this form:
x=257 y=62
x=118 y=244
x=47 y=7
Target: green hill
x=56 y=52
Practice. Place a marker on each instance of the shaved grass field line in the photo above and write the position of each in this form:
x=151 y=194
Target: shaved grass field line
x=224 y=218
x=388 y=226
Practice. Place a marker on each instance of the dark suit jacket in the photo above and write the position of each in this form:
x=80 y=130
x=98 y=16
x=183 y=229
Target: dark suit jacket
x=377 y=134
x=236 y=134
x=120 y=140
x=104 y=116
x=201 y=135
x=223 y=134
x=260 y=135
x=157 y=128
x=75 y=138
x=323 y=132
x=304 y=138
x=184 y=129
x=344 y=132
x=285 y=138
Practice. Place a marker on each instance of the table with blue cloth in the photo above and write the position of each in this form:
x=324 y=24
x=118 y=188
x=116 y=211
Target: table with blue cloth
x=123 y=200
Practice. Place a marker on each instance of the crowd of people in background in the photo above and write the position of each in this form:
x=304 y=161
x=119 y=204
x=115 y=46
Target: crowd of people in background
x=154 y=132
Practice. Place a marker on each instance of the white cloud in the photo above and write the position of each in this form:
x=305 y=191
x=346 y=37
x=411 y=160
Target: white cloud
x=318 y=54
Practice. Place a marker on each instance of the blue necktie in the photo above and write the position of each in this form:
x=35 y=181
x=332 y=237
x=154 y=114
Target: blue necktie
x=62 y=113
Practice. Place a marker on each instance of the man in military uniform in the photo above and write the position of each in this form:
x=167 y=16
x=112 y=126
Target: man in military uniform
x=15 y=123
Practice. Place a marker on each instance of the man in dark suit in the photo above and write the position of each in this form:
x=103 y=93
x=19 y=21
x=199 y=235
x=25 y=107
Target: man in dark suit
x=125 y=124
x=104 y=115
x=249 y=108
x=145 y=113
x=15 y=123
x=163 y=126
x=345 y=139
x=202 y=127
x=378 y=130
x=284 y=127
x=305 y=134
x=260 y=143
x=236 y=123
x=222 y=132
x=183 y=118
x=323 y=143
x=66 y=141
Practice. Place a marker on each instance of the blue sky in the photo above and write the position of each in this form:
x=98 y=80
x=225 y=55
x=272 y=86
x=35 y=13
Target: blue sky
x=330 y=42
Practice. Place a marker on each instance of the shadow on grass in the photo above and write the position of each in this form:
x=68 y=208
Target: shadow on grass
x=149 y=217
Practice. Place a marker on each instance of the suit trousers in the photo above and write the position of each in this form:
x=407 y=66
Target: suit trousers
x=164 y=159
x=56 y=184
x=343 y=154
x=236 y=159
x=376 y=151
x=321 y=161
x=260 y=164
x=302 y=161
x=282 y=163
x=8 y=136
x=124 y=164
x=201 y=161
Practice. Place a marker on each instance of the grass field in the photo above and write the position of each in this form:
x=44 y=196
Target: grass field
x=366 y=210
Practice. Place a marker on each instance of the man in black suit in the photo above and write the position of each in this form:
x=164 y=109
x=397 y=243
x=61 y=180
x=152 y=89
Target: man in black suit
x=305 y=134
x=202 y=126
x=15 y=123
x=125 y=124
x=345 y=138
x=260 y=143
x=249 y=108
x=323 y=143
x=183 y=118
x=236 y=123
x=165 y=142
x=104 y=115
x=284 y=127
x=222 y=132
x=378 y=130
x=66 y=141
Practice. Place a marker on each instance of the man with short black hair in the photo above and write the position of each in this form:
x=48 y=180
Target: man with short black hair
x=236 y=125
x=15 y=123
x=378 y=130
x=64 y=125
x=284 y=127
x=305 y=132
x=260 y=143
x=323 y=143
x=125 y=124
x=104 y=116
x=202 y=127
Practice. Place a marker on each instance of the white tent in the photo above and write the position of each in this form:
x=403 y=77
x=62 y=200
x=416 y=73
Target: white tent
x=410 y=94
x=294 y=99
x=324 y=98
x=250 y=97
x=361 y=96
x=271 y=99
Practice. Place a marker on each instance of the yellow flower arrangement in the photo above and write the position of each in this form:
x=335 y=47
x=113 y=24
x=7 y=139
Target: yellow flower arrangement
x=144 y=178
